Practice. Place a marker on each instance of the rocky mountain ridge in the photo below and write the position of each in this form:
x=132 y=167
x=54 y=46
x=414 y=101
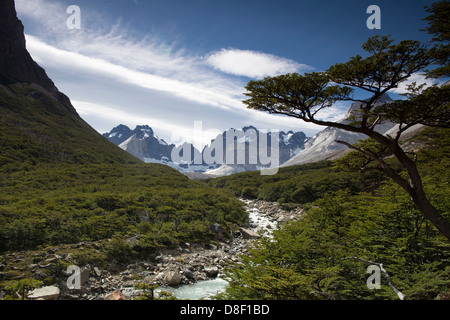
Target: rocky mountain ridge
x=144 y=144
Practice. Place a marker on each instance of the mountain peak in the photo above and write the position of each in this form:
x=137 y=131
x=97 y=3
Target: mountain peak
x=249 y=127
x=120 y=127
x=355 y=107
x=144 y=128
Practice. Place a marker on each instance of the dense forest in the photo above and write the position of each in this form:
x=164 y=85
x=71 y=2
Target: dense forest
x=325 y=255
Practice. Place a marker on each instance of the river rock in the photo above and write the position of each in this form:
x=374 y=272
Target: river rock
x=97 y=272
x=45 y=293
x=116 y=295
x=211 y=272
x=84 y=274
x=33 y=267
x=249 y=234
x=172 y=278
x=189 y=274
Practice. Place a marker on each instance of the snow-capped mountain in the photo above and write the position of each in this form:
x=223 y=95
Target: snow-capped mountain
x=323 y=146
x=118 y=134
x=249 y=144
x=141 y=142
x=234 y=150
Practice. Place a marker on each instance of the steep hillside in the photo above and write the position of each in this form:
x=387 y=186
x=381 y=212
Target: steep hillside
x=36 y=128
x=62 y=182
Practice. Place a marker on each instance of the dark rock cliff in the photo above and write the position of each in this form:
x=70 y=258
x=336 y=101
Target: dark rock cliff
x=16 y=64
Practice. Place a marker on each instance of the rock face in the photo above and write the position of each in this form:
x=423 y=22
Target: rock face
x=172 y=278
x=142 y=142
x=16 y=64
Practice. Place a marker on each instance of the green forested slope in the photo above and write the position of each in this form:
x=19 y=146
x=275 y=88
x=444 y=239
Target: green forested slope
x=61 y=182
x=322 y=256
x=296 y=184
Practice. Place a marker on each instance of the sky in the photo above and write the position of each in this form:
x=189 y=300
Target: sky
x=171 y=64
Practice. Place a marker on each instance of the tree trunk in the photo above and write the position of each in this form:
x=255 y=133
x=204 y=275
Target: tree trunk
x=418 y=195
x=430 y=212
x=414 y=186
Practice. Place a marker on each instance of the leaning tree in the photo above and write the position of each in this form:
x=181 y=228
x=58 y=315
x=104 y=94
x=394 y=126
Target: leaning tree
x=384 y=67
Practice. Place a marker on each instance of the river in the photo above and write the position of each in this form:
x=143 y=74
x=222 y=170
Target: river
x=258 y=222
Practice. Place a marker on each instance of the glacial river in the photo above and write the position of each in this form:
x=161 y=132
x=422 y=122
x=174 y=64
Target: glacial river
x=258 y=222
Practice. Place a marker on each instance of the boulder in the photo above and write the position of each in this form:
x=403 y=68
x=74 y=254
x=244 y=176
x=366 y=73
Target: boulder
x=84 y=274
x=45 y=293
x=33 y=267
x=172 y=278
x=189 y=274
x=116 y=295
x=249 y=234
x=211 y=272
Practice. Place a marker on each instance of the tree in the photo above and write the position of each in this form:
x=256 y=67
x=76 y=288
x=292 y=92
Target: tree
x=385 y=67
x=439 y=27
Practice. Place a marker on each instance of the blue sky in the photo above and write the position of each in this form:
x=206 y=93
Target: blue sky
x=169 y=63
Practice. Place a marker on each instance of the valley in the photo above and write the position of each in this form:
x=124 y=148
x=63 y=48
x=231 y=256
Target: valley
x=186 y=267
x=274 y=215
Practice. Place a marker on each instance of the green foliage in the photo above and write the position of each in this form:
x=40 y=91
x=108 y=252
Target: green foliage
x=439 y=26
x=297 y=184
x=61 y=182
x=18 y=289
x=386 y=65
x=361 y=161
x=313 y=258
x=68 y=204
x=148 y=293
x=429 y=107
x=300 y=96
x=118 y=248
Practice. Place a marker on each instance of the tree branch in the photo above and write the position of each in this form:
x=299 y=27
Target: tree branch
x=385 y=167
x=400 y=295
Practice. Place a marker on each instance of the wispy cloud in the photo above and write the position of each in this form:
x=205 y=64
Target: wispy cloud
x=223 y=96
x=108 y=54
x=253 y=64
x=418 y=78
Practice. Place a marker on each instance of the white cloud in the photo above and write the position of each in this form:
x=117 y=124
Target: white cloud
x=222 y=97
x=419 y=78
x=153 y=82
x=172 y=133
x=252 y=64
x=86 y=108
x=50 y=16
